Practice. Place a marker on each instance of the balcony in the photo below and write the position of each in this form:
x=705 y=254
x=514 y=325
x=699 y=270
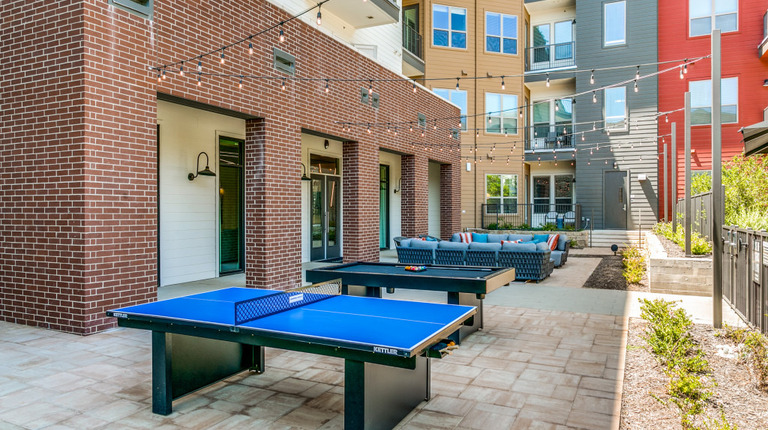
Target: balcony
x=555 y=56
x=365 y=14
x=545 y=138
x=413 y=52
x=562 y=215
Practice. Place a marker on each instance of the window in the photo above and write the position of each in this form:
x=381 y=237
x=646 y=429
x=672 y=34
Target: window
x=563 y=193
x=707 y=15
x=616 y=108
x=449 y=26
x=500 y=33
x=552 y=45
x=501 y=194
x=552 y=124
x=139 y=7
x=701 y=101
x=458 y=98
x=615 y=23
x=502 y=113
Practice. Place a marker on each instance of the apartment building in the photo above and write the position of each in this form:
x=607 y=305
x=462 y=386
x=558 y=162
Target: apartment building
x=684 y=32
x=155 y=142
x=472 y=54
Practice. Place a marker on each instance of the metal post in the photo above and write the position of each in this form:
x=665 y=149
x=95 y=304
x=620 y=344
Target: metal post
x=674 y=177
x=666 y=186
x=687 y=154
x=717 y=190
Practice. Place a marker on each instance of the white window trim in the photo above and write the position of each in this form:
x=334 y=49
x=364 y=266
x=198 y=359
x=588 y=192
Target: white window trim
x=450 y=30
x=133 y=7
x=712 y=19
x=501 y=198
x=625 y=122
x=711 y=108
x=506 y=112
x=623 y=41
x=501 y=35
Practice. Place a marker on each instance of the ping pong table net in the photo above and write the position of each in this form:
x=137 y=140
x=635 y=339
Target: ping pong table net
x=260 y=307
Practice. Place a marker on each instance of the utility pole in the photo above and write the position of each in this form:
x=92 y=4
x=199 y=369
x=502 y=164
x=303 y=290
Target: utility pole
x=717 y=189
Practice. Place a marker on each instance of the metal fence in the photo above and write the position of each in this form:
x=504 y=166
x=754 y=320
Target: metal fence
x=745 y=274
x=412 y=41
x=701 y=207
x=534 y=215
x=550 y=56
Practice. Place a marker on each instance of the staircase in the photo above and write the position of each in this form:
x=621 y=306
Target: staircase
x=621 y=238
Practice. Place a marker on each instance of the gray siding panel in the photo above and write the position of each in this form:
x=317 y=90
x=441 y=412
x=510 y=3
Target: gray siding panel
x=634 y=151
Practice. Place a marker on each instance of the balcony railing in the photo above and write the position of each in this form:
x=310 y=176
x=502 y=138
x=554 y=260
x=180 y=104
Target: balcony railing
x=542 y=137
x=533 y=215
x=550 y=56
x=412 y=41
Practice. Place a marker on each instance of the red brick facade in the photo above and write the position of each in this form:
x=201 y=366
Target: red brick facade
x=78 y=211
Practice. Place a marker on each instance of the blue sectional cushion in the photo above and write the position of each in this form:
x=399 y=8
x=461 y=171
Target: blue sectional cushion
x=542 y=246
x=480 y=238
x=557 y=257
x=455 y=237
x=496 y=238
x=519 y=247
x=431 y=239
x=479 y=246
x=540 y=238
x=405 y=243
x=523 y=237
x=561 y=243
x=424 y=244
x=452 y=245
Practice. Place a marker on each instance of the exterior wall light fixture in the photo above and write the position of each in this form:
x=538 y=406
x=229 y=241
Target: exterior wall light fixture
x=205 y=172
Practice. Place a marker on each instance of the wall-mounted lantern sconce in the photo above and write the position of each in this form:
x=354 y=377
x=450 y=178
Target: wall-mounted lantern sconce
x=326 y=144
x=397 y=187
x=204 y=172
x=304 y=176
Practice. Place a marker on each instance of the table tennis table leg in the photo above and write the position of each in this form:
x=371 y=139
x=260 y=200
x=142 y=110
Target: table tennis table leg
x=379 y=397
x=162 y=395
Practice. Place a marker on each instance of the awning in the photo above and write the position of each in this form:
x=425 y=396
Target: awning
x=755 y=138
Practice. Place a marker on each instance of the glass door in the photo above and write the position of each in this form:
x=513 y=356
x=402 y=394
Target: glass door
x=324 y=213
x=383 y=207
x=231 y=229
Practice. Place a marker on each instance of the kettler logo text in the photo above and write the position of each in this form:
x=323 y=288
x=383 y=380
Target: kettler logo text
x=382 y=350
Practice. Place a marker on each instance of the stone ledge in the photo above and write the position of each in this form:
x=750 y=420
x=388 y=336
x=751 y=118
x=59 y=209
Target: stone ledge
x=687 y=276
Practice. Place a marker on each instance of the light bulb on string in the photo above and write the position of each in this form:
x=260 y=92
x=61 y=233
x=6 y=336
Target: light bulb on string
x=164 y=73
x=250 y=47
x=637 y=73
x=489 y=117
x=434 y=127
x=222 y=56
x=594 y=97
x=282 y=86
x=681 y=72
x=520 y=111
x=159 y=76
x=685 y=68
x=457 y=84
x=414 y=87
x=410 y=128
x=281 y=35
x=181 y=69
x=582 y=137
x=200 y=64
x=319 y=16
x=199 y=80
x=557 y=107
x=666 y=118
x=548 y=80
x=503 y=87
x=592 y=78
x=636 y=89
x=369 y=129
x=240 y=85
x=327 y=86
x=370 y=87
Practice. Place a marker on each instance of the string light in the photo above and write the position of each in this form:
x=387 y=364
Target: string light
x=414 y=87
x=163 y=73
x=222 y=55
x=281 y=36
x=159 y=77
x=319 y=16
x=547 y=80
x=181 y=69
x=636 y=89
x=200 y=65
x=240 y=85
x=666 y=118
x=594 y=97
x=250 y=48
x=370 y=88
x=369 y=129
x=637 y=73
x=681 y=72
x=685 y=67
x=520 y=110
x=503 y=87
x=592 y=78
x=327 y=86
x=199 y=80
x=457 y=84
x=282 y=86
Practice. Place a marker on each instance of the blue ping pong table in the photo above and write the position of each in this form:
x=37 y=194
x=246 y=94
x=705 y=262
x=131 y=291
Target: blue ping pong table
x=386 y=344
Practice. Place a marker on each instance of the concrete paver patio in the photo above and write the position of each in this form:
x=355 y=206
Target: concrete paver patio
x=549 y=357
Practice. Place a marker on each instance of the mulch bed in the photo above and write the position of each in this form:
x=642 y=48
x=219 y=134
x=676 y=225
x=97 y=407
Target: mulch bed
x=736 y=392
x=608 y=275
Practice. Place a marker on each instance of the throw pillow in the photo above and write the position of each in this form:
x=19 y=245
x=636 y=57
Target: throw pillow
x=511 y=241
x=552 y=241
x=465 y=237
x=480 y=238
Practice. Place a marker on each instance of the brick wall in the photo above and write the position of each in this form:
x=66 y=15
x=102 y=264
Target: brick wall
x=79 y=201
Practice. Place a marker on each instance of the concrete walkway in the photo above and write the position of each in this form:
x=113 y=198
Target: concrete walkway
x=549 y=357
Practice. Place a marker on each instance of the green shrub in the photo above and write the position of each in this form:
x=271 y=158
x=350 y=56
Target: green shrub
x=699 y=245
x=493 y=226
x=549 y=227
x=633 y=261
x=755 y=351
